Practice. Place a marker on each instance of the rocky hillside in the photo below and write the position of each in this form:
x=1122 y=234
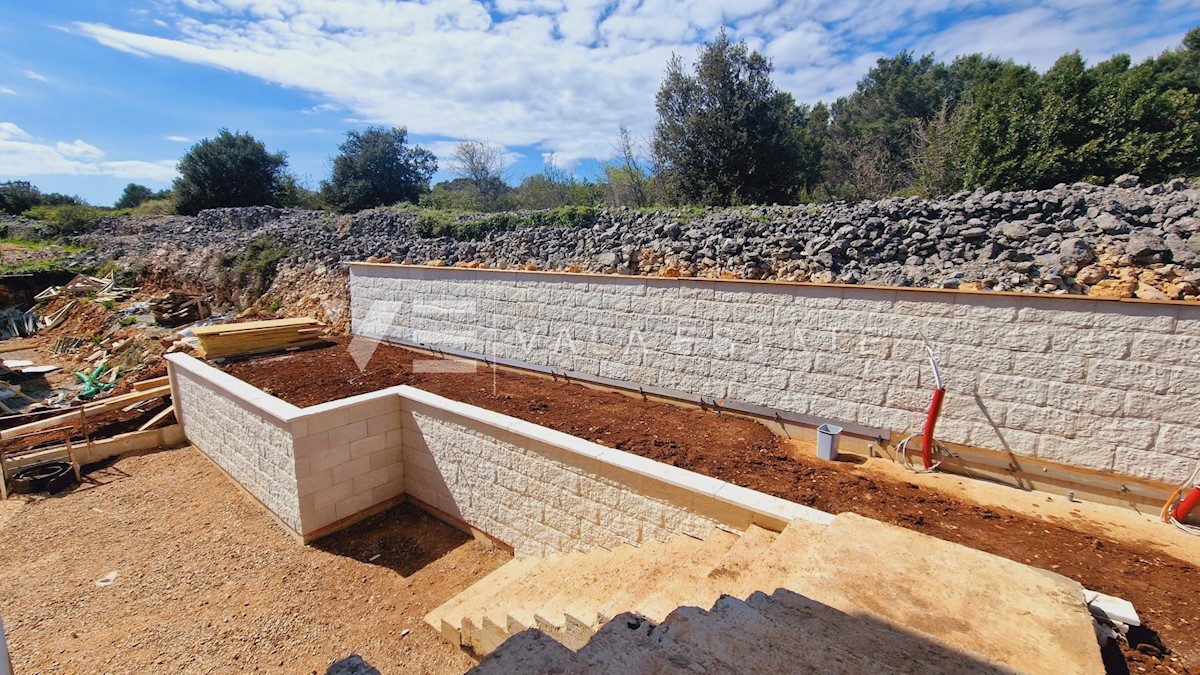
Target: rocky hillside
x=1119 y=241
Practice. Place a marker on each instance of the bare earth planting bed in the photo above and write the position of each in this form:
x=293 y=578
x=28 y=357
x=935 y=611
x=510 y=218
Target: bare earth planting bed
x=1165 y=589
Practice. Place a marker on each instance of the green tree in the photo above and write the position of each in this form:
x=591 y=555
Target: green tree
x=997 y=131
x=546 y=190
x=133 y=195
x=18 y=196
x=226 y=171
x=725 y=134
x=626 y=182
x=481 y=165
x=377 y=167
x=869 y=144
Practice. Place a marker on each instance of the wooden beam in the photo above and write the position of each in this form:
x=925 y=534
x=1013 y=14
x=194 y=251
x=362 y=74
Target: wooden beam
x=162 y=414
x=151 y=384
x=88 y=410
x=251 y=325
x=121 y=444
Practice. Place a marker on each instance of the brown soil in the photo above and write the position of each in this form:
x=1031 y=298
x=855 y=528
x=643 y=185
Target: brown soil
x=207 y=582
x=1164 y=589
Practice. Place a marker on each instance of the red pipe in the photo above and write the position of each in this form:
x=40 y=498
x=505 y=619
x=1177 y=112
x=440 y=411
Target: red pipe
x=935 y=409
x=1185 y=507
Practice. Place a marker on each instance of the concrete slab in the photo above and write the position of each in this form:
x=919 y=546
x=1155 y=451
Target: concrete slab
x=981 y=604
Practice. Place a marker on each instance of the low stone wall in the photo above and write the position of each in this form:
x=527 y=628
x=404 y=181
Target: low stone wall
x=1107 y=385
x=323 y=467
x=542 y=491
x=245 y=431
x=348 y=458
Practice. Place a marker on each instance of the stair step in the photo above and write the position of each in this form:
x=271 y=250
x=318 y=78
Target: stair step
x=624 y=584
x=676 y=589
x=786 y=555
x=469 y=614
x=515 y=613
x=737 y=562
x=473 y=628
x=447 y=618
x=596 y=582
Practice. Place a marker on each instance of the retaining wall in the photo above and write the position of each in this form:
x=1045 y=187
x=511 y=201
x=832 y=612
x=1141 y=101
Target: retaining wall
x=1107 y=385
x=245 y=431
x=323 y=467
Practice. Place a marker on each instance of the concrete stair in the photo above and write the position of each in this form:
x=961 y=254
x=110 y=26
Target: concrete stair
x=852 y=595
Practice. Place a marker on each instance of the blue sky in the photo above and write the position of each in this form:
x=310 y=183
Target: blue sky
x=94 y=95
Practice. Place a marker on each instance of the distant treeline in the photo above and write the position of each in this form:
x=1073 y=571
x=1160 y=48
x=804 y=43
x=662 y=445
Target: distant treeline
x=725 y=135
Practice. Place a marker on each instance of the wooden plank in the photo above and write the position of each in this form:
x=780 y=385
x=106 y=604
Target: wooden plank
x=151 y=384
x=1039 y=474
x=89 y=410
x=162 y=414
x=251 y=325
x=134 y=441
x=263 y=332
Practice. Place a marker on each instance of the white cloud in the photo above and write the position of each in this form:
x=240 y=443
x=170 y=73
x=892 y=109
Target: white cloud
x=21 y=155
x=322 y=108
x=34 y=75
x=7 y=91
x=562 y=76
x=179 y=139
x=11 y=132
x=79 y=150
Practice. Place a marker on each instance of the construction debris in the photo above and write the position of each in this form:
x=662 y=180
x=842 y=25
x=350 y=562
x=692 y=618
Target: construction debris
x=103 y=288
x=52 y=321
x=175 y=308
x=257 y=337
x=17 y=323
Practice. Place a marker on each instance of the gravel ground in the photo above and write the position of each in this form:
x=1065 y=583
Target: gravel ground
x=206 y=582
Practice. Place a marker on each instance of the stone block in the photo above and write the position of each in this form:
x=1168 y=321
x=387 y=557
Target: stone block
x=314 y=482
x=348 y=471
x=348 y=433
x=332 y=495
x=329 y=457
x=1179 y=439
x=381 y=424
x=371 y=479
x=1057 y=367
x=1129 y=376
x=1077 y=452
x=1172 y=409
x=1185 y=380
x=1153 y=465
x=1027 y=390
x=352 y=505
x=366 y=446
x=1135 y=317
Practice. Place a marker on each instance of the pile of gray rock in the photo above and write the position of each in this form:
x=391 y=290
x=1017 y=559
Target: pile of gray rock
x=1066 y=239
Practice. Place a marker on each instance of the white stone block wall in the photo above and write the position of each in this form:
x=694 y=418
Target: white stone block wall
x=253 y=446
x=536 y=489
x=542 y=491
x=1108 y=385
x=348 y=457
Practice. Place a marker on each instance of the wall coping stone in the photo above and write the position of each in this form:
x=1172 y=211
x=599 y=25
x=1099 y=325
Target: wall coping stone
x=950 y=293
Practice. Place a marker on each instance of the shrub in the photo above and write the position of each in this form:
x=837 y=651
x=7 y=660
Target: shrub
x=68 y=219
x=471 y=227
x=254 y=268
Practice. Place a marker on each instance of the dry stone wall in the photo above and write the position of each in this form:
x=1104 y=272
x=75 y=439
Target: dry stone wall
x=1100 y=384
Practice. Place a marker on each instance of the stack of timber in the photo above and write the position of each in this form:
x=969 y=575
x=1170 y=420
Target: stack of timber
x=175 y=308
x=257 y=337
